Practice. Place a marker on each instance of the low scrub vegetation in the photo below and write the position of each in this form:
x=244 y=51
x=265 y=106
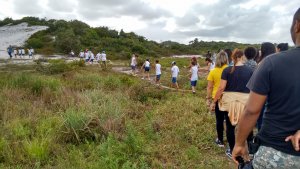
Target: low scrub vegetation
x=70 y=116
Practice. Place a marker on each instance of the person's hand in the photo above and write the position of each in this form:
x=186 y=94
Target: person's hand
x=208 y=102
x=212 y=106
x=240 y=150
x=295 y=139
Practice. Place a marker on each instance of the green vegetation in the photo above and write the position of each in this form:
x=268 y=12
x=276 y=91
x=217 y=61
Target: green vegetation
x=63 y=36
x=82 y=117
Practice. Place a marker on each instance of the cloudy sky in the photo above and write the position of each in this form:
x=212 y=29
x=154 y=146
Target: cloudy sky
x=249 y=21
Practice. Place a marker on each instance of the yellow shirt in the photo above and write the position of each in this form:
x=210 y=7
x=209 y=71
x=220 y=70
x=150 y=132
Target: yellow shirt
x=215 y=77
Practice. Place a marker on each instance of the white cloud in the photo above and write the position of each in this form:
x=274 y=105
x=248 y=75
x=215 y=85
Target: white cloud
x=251 y=21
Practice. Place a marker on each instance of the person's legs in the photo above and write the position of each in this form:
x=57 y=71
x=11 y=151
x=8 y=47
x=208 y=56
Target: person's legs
x=229 y=132
x=219 y=123
x=267 y=158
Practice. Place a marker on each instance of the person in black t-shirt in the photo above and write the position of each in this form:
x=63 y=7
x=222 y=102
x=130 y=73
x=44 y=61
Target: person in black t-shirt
x=233 y=79
x=277 y=78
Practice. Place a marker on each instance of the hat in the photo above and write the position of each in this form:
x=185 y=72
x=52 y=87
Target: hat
x=173 y=63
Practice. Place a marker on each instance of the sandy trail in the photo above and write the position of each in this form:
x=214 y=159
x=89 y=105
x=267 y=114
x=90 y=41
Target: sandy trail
x=127 y=70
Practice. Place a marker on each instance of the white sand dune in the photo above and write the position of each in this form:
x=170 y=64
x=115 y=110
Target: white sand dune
x=16 y=35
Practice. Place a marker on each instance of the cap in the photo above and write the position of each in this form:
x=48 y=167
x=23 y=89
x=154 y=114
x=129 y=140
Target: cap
x=173 y=63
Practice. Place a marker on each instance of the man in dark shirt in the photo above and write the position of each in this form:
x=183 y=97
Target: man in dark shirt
x=277 y=78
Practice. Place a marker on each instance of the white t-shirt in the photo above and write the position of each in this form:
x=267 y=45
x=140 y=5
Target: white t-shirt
x=23 y=51
x=103 y=57
x=81 y=54
x=98 y=56
x=212 y=66
x=158 y=69
x=15 y=52
x=194 y=71
x=29 y=52
x=87 y=56
x=32 y=51
x=92 y=56
x=147 y=64
x=20 y=51
x=133 y=61
x=175 y=71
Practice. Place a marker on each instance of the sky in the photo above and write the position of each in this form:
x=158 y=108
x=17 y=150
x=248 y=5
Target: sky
x=246 y=21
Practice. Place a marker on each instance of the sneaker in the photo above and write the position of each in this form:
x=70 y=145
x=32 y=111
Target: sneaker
x=219 y=143
x=228 y=153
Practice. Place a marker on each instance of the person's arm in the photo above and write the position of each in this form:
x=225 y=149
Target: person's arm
x=221 y=89
x=247 y=122
x=295 y=139
x=142 y=66
x=210 y=86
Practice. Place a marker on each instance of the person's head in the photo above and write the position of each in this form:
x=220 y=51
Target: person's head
x=267 y=49
x=282 y=47
x=237 y=56
x=157 y=61
x=208 y=60
x=221 y=59
x=173 y=63
x=147 y=59
x=295 y=28
x=103 y=52
x=229 y=53
x=250 y=52
x=194 y=63
x=194 y=59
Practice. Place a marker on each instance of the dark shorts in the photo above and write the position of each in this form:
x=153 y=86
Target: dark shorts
x=158 y=77
x=133 y=67
x=92 y=60
x=87 y=60
x=147 y=69
x=194 y=83
x=174 y=79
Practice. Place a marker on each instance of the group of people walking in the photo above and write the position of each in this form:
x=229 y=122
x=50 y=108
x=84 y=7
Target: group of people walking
x=260 y=89
x=21 y=52
x=90 y=57
x=146 y=67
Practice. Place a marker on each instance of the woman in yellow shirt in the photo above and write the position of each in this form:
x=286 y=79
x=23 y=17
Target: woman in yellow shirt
x=214 y=79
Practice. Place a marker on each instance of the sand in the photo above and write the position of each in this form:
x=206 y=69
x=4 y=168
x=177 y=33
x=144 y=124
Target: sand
x=16 y=35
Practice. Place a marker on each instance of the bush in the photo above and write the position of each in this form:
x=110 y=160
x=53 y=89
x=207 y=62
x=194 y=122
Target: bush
x=37 y=150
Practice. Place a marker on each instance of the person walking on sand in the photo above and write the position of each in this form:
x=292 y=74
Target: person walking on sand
x=9 y=51
x=146 y=67
x=87 y=56
x=81 y=54
x=92 y=57
x=20 y=52
x=174 y=72
x=98 y=56
x=23 y=53
x=157 y=72
x=133 y=64
x=194 y=76
x=103 y=59
x=15 y=52
x=32 y=52
x=29 y=53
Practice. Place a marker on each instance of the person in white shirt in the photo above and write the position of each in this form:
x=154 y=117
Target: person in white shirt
x=20 y=52
x=92 y=57
x=72 y=54
x=29 y=53
x=146 y=67
x=103 y=59
x=175 y=72
x=210 y=64
x=194 y=76
x=87 y=56
x=157 y=72
x=23 y=52
x=15 y=53
x=98 y=56
x=81 y=54
x=133 y=64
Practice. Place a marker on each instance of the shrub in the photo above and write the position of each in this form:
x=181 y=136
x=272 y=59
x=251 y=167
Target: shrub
x=37 y=150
